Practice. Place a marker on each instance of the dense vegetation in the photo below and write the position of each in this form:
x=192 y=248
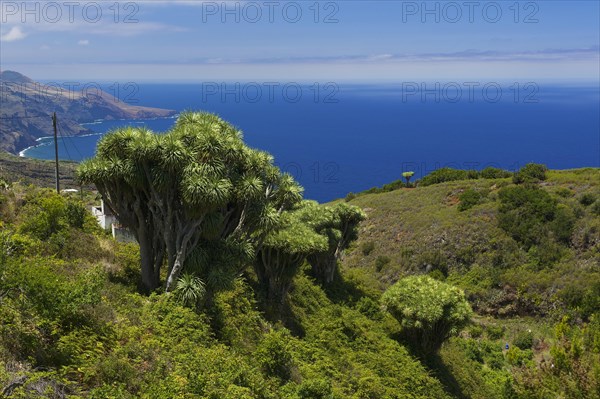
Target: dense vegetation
x=468 y=287
x=74 y=325
x=526 y=252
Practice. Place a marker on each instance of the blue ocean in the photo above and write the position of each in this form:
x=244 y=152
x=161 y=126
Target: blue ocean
x=337 y=139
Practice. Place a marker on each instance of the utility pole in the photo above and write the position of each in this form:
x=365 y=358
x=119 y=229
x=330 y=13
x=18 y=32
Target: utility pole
x=56 y=151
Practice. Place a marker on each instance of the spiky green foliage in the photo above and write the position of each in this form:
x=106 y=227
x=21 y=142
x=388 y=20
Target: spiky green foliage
x=339 y=223
x=430 y=311
x=284 y=250
x=197 y=182
x=190 y=290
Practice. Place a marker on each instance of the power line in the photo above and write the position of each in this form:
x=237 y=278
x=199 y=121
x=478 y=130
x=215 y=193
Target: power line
x=63 y=142
x=71 y=141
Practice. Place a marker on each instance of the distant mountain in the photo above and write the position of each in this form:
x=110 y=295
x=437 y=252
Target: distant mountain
x=26 y=109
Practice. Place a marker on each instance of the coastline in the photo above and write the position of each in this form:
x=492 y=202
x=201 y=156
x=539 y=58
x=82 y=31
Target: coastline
x=39 y=141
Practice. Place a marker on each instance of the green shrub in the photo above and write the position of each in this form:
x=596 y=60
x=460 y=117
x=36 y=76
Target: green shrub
x=587 y=199
x=369 y=308
x=350 y=197
x=494 y=173
x=495 y=332
x=315 y=389
x=274 y=356
x=476 y=331
x=190 y=290
x=367 y=247
x=468 y=199
x=495 y=360
x=429 y=311
x=395 y=185
x=381 y=261
x=564 y=192
x=437 y=274
x=530 y=173
x=563 y=224
x=75 y=213
x=44 y=216
x=518 y=357
x=523 y=340
x=524 y=213
x=443 y=175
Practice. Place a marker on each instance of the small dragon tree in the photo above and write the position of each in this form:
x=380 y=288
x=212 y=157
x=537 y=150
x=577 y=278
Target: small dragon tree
x=430 y=311
x=198 y=181
x=339 y=224
x=407 y=176
x=283 y=251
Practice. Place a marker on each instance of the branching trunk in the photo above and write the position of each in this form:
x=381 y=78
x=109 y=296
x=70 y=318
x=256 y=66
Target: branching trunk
x=186 y=240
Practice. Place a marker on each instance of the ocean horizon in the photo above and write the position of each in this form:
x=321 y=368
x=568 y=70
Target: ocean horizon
x=335 y=139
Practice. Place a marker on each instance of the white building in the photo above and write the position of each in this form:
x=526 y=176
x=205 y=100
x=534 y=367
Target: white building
x=104 y=216
x=108 y=221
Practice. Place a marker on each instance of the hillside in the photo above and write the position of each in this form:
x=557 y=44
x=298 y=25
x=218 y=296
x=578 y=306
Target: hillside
x=26 y=109
x=423 y=230
x=544 y=291
x=73 y=324
x=36 y=171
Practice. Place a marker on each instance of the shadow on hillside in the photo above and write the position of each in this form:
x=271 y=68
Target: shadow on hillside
x=290 y=321
x=342 y=291
x=436 y=366
x=128 y=278
x=440 y=371
x=278 y=312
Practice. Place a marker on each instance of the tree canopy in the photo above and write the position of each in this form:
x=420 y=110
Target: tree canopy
x=430 y=311
x=199 y=181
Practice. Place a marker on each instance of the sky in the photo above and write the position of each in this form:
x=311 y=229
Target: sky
x=349 y=40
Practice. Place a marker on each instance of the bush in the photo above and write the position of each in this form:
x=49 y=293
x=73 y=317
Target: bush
x=367 y=247
x=369 y=308
x=190 y=290
x=495 y=332
x=443 y=175
x=564 y=192
x=476 y=331
x=429 y=311
x=530 y=173
x=395 y=185
x=274 y=356
x=75 y=214
x=469 y=199
x=587 y=199
x=523 y=340
x=563 y=224
x=524 y=213
x=315 y=389
x=44 y=216
x=494 y=173
x=380 y=262
x=518 y=357
x=350 y=197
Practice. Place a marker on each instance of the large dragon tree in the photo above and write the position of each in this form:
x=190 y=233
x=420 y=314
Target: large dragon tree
x=198 y=181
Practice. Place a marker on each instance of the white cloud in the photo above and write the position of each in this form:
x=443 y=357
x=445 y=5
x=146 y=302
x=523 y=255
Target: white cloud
x=15 y=33
x=83 y=42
